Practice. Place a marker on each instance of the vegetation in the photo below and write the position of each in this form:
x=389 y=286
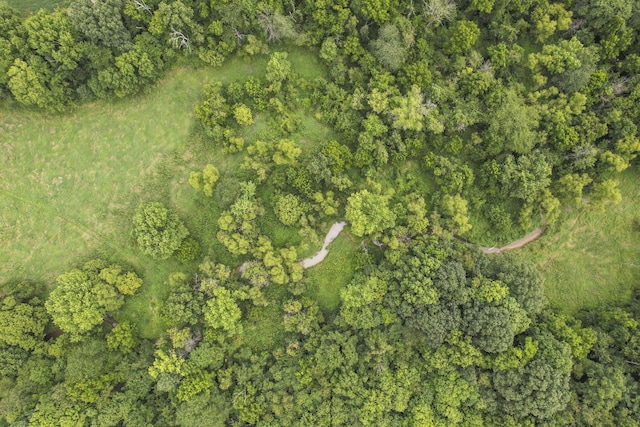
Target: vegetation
x=170 y=163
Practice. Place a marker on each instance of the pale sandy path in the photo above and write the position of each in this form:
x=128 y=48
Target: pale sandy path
x=515 y=244
x=334 y=232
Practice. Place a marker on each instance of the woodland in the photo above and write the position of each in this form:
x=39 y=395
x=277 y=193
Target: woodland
x=168 y=168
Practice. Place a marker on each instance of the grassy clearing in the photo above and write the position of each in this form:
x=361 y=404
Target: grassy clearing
x=33 y=5
x=69 y=183
x=334 y=273
x=592 y=257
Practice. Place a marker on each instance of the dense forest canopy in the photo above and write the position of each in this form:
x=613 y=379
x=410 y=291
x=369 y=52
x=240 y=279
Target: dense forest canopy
x=429 y=126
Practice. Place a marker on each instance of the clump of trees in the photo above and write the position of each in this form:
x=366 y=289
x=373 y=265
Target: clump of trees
x=158 y=232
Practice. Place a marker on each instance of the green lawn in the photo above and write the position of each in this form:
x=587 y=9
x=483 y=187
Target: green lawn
x=593 y=257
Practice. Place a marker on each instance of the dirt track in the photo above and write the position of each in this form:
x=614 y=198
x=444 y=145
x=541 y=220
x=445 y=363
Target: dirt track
x=515 y=244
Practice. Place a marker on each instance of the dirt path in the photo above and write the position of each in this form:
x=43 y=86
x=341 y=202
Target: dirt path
x=334 y=232
x=515 y=244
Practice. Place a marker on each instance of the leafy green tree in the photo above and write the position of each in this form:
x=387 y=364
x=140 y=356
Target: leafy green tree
x=183 y=305
x=157 y=230
x=222 y=312
x=132 y=70
x=237 y=225
x=101 y=23
x=213 y=110
x=22 y=318
x=452 y=178
x=369 y=213
x=541 y=387
x=81 y=299
x=288 y=208
x=605 y=192
x=512 y=127
x=122 y=338
x=277 y=26
x=10 y=25
x=242 y=114
x=410 y=111
x=454 y=212
x=278 y=70
x=206 y=180
x=302 y=316
x=462 y=36
x=175 y=20
x=361 y=306
x=33 y=84
x=527 y=176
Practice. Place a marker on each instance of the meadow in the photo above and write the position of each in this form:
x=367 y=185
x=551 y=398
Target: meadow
x=69 y=183
x=592 y=257
x=34 y=5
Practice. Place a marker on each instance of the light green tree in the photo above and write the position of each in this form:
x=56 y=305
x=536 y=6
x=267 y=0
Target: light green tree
x=206 y=180
x=157 y=230
x=369 y=213
x=222 y=312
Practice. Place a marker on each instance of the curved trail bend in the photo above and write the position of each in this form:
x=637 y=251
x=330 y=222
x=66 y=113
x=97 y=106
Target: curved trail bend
x=517 y=243
x=334 y=232
x=337 y=228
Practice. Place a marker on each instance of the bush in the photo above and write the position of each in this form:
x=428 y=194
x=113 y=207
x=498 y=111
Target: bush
x=188 y=251
x=158 y=231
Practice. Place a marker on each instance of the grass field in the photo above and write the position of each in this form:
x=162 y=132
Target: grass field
x=69 y=183
x=334 y=273
x=34 y=5
x=592 y=257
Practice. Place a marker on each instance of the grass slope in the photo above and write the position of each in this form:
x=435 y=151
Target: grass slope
x=593 y=257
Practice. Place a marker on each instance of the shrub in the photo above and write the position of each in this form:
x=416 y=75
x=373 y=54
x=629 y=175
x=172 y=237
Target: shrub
x=188 y=251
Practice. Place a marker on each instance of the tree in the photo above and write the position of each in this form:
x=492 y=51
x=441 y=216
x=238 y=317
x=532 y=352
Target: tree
x=462 y=36
x=527 y=176
x=278 y=70
x=302 y=316
x=132 y=70
x=176 y=22
x=288 y=208
x=222 y=312
x=455 y=214
x=541 y=387
x=605 y=192
x=242 y=114
x=389 y=48
x=33 y=84
x=361 y=306
x=438 y=11
x=276 y=26
x=369 y=213
x=101 y=23
x=158 y=231
x=83 y=297
x=512 y=126
x=22 y=317
x=410 y=111
x=205 y=181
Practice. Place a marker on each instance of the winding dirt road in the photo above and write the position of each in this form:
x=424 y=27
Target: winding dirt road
x=517 y=243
